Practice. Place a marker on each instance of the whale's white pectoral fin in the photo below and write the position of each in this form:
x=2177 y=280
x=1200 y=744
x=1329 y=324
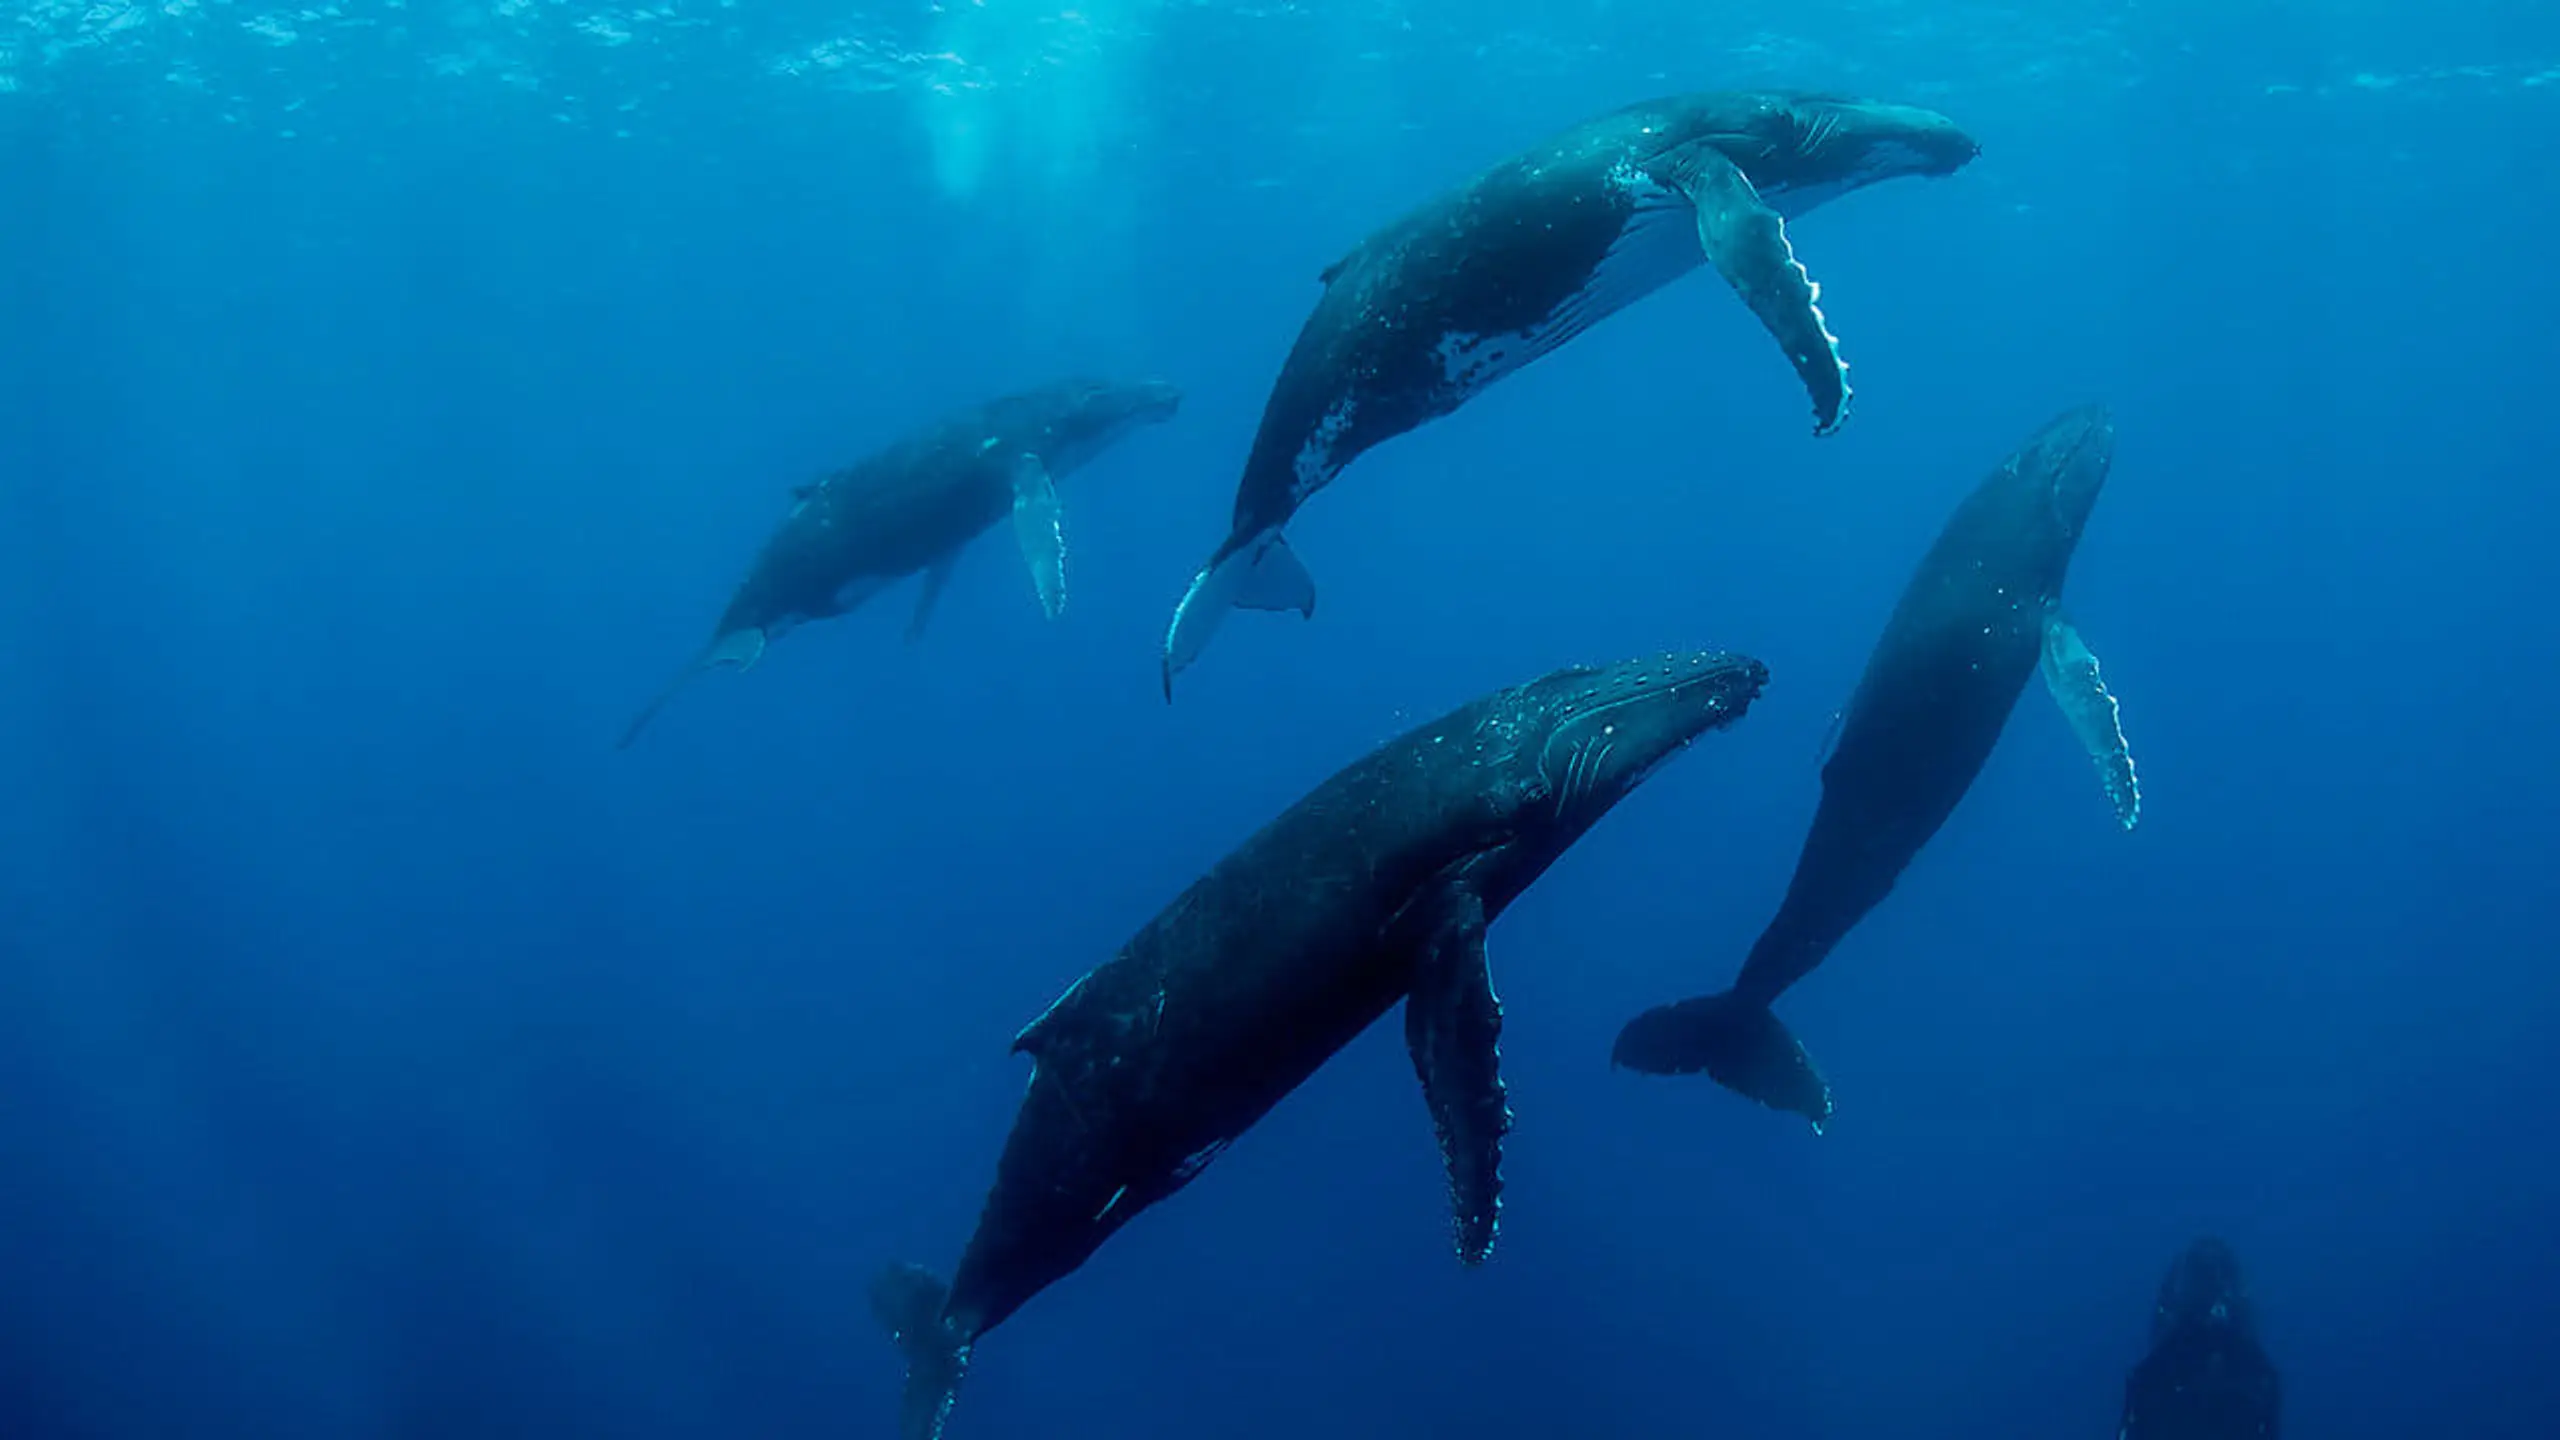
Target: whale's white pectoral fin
x=936 y=576
x=1747 y=243
x=1263 y=575
x=2071 y=673
x=1453 y=1026
x=1040 y=528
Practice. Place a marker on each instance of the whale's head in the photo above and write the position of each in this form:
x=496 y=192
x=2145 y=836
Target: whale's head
x=1800 y=149
x=1604 y=730
x=2069 y=459
x=2203 y=1291
x=1089 y=416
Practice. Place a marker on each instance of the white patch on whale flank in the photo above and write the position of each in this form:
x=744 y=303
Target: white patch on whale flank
x=1656 y=245
x=1469 y=361
x=1314 y=468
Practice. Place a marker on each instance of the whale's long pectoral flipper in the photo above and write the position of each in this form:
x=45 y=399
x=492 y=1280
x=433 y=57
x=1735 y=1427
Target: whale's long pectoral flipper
x=1262 y=575
x=1453 y=1026
x=1747 y=243
x=936 y=575
x=1040 y=528
x=2071 y=673
x=908 y=1300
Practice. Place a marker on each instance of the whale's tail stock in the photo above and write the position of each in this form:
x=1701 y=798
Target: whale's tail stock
x=909 y=1299
x=736 y=650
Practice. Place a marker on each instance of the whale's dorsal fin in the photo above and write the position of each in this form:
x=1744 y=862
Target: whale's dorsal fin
x=2071 y=673
x=1039 y=527
x=1747 y=243
x=1033 y=1039
x=1453 y=1026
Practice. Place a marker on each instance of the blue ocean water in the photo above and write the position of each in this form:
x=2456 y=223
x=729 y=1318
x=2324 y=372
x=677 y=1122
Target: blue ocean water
x=394 y=392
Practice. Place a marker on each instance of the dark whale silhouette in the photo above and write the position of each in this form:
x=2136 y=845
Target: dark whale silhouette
x=1981 y=614
x=2206 y=1376
x=916 y=505
x=1376 y=887
x=1484 y=278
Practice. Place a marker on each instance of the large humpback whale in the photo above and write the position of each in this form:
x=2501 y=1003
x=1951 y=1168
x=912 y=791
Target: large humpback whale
x=916 y=505
x=1484 y=278
x=2206 y=1376
x=1981 y=614
x=1376 y=887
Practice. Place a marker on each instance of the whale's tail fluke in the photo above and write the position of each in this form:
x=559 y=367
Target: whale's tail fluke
x=908 y=1299
x=1738 y=1042
x=736 y=650
x=1261 y=574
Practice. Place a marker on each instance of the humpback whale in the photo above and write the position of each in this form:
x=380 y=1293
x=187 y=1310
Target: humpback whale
x=2206 y=1376
x=1982 y=613
x=1486 y=277
x=915 y=506
x=1376 y=887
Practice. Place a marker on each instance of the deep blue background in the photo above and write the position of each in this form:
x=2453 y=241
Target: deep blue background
x=382 y=1054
